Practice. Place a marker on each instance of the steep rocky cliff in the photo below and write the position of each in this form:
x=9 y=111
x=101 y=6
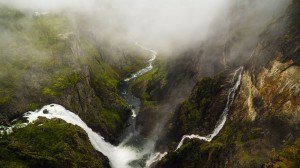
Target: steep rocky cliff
x=264 y=116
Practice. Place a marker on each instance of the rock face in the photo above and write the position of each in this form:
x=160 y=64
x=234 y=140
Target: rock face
x=264 y=116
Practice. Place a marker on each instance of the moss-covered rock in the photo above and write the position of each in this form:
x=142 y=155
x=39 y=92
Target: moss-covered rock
x=49 y=143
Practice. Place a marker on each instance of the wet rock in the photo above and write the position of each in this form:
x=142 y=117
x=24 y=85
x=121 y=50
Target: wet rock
x=45 y=111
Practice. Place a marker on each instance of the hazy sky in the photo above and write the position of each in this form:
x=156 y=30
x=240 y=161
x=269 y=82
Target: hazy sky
x=160 y=24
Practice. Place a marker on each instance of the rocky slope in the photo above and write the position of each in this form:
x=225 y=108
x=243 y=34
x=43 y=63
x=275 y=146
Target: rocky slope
x=264 y=116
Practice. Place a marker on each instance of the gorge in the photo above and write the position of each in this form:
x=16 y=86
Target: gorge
x=208 y=84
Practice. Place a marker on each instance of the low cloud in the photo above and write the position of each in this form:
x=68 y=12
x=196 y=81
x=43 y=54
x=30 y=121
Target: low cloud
x=165 y=25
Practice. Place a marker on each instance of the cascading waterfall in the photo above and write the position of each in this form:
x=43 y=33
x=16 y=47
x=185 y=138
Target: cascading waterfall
x=119 y=156
x=223 y=117
x=220 y=123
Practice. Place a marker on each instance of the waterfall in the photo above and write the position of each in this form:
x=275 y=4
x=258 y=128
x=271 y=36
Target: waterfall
x=155 y=158
x=223 y=117
x=220 y=123
x=119 y=156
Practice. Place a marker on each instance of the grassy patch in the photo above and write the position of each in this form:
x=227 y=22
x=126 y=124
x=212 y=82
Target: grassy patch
x=111 y=118
x=49 y=92
x=33 y=106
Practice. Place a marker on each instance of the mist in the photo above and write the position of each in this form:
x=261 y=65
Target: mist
x=169 y=25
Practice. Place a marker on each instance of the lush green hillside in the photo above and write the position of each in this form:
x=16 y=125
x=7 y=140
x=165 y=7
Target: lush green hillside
x=49 y=143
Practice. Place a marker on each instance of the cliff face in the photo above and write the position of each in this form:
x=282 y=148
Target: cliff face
x=265 y=114
x=228 y=45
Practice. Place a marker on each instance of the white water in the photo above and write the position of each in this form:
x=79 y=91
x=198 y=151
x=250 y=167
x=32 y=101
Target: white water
x=133 y=113
x=119 y=156
x=144 y=70
x=9 y=130
x=155 y=157
x=223 y=117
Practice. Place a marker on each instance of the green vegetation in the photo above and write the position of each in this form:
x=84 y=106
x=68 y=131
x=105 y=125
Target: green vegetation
x=63 y=79
x=192 y=110
x=110 y=117
x=31 y=45
x=194 y=153
x=146 y=85
x=137 y=62
x=10 y=14
x=244 y=140
x=11 y=23
x=49 y=143
x=189 y=156
x=33 y=106
x=113 y=108
x=45 y=60
x=4 y=100
x=288 y=157
x=49 y=92
x=233 y=136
